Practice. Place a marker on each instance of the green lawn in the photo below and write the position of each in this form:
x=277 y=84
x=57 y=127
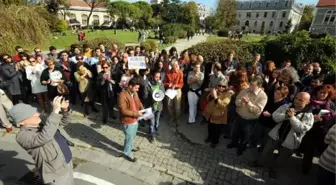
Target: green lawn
x=65 y=41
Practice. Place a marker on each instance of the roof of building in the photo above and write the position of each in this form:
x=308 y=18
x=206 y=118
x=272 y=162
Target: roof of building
x=81 y=3
x=326 y=3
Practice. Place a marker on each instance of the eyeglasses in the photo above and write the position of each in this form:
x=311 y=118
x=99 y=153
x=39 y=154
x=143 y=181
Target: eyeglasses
x=79 y=59
x=105 y=67
x=32 y=61
x=50 y=64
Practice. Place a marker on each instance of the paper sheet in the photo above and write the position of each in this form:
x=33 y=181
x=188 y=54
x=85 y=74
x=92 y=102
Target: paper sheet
x=171 y=93
x=147 y=114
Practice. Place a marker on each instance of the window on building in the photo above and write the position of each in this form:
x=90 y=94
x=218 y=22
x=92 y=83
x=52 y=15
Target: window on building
x=238 y=22
x=96 y=20
x=286 y=4
x=250 y=6
x=239 y=15
x=255 y=23
x=259 y=5
x=265 y=14
x=84 y=20
x=248 y=14
x=281 y=24
x=263 y=24
x=247 y=23
x=273 y=14
x=257 y=15
x=72 y=16
x=267 y=4
x=284 y=14
x=327 y=17
x=106 y=19
x=271 y=24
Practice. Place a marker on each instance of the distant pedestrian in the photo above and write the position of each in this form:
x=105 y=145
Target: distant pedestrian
x=47 y=143
x=130 y=105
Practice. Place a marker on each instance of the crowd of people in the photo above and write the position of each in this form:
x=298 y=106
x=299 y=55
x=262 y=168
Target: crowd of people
x=258 y=105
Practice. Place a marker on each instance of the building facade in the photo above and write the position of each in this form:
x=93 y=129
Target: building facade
x=203 y=12
x=156 y=1
x=79 y=11
x=324 y=19
x=268 y=16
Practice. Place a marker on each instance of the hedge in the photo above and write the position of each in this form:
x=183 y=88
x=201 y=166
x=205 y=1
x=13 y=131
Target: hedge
x=297 y=47
x=223 y=32
x=149 y=45
x=174 y=31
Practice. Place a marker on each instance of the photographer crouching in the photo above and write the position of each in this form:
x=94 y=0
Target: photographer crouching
x=46 y=142
x=293 y=121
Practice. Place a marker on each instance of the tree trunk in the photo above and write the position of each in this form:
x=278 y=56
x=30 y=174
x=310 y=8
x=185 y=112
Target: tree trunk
x=88 y=19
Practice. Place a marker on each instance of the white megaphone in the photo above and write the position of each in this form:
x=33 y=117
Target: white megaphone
x=158 y=95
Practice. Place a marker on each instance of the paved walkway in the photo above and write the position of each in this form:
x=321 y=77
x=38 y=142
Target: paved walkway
x=178 y=157
x=183 y=44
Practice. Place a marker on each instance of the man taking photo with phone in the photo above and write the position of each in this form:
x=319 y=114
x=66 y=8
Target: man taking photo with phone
x=46 y=142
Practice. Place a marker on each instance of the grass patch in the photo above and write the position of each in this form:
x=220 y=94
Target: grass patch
x=252 y=38
x=62 y=42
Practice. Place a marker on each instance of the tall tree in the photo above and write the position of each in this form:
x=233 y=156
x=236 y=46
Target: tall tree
x=64 y=9
x=307 y=17
x=124 y=10
x=172 y=11
x=146 y=11
x=189 y=14
x=226 y=12
x=94 y=4
x=211 y=23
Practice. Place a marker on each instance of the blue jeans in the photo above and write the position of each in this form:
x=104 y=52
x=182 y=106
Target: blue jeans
x=154 y=123
x=325 y=177
x=130 y=132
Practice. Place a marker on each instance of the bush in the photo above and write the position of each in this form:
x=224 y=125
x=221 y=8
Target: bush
x=183 y=34
x=62 y=25
x=108 y=42
x=170 y=39
x=221 y=48
x=149 y=44
x=22 y=25
x=296 y=47
x=223 y=32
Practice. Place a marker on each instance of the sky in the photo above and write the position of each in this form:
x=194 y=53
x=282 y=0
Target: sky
x=212 y=3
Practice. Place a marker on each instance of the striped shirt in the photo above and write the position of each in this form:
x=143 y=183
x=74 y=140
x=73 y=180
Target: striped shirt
x=327 y=159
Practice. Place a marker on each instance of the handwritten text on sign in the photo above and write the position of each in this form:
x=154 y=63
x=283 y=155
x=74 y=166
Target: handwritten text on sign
x=136 y=63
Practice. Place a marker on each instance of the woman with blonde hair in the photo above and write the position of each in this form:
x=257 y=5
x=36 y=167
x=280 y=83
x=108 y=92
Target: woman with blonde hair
x=34 y=71
x=83 y=77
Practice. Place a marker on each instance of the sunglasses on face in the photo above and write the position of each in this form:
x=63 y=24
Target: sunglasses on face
x=79 y=59
x=223 y=86
x=105 y=67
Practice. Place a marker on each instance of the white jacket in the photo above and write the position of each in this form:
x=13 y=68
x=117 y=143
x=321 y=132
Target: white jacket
x=300 y=125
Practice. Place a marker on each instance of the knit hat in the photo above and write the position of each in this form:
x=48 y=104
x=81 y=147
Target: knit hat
x=21 y=112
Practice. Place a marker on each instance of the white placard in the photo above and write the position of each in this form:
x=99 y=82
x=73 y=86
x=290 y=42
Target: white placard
x=136 y=62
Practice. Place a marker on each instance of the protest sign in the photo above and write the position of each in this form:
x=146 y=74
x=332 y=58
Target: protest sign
x=136 y=62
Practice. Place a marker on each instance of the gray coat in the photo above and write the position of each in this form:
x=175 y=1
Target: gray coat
x=41 y=145
x=12 y=77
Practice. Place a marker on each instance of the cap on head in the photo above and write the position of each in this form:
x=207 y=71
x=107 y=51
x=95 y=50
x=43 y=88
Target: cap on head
x=21 y=112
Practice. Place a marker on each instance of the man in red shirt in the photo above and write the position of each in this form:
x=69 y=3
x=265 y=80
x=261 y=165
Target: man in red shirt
x=18 y=50
x=174 y=81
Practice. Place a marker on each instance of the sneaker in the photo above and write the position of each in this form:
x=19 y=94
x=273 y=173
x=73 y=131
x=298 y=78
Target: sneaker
x=136 y=149
x=151 y=139
x=10 y=129
x=231 y=145
x=130 y=159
